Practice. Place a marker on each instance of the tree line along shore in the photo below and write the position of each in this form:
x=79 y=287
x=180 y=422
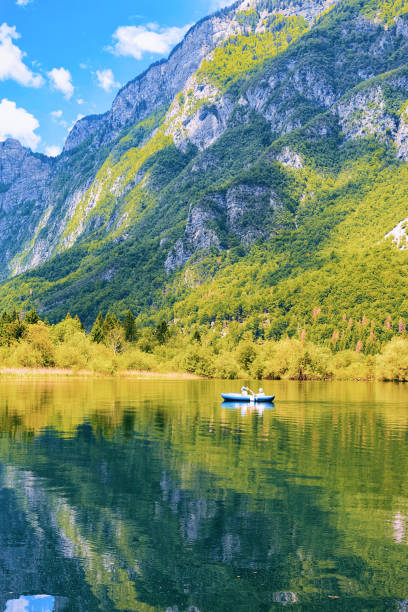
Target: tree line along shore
x=116 y=346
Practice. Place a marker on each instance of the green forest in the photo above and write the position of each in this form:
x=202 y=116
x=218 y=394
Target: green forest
x=115 y=347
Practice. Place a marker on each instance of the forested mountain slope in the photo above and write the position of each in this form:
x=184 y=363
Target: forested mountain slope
x=257 y=183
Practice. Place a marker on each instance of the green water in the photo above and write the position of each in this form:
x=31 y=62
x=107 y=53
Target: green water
x=149 y=496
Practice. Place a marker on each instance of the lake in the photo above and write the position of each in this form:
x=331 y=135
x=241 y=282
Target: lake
x=150 y=496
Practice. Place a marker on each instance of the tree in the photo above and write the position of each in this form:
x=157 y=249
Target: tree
x=32 y=317
x=129 y=326
x=115 y=339
x=162 y=332
x=246 y=353
x=78 y=320
x=196 y=337
x=111 y=321
x=97 y=329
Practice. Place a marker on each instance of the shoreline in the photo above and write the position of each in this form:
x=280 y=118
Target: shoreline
x=61 y=373
x=69 y=373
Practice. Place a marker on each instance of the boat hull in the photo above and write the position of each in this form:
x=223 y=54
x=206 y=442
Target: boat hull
x=249 y=399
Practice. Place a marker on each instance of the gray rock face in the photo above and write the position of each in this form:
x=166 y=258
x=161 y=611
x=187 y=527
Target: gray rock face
x=157 y=86
x=203 y=125
x=162 y=81
x=365 y=114
x=309 y=9
x=198 y=236
x=288 y=157
x=247 y=212
x=24 y=178
x=83 y=129
x=17 y=162
x=401 y=139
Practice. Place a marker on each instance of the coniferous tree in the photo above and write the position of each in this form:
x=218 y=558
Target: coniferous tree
x=110 y=322
x=5 y=318
x=162 y=332
x=97 y=329
x=196 y=337
x=31 y=317
x=129 y=325
x=78 y=320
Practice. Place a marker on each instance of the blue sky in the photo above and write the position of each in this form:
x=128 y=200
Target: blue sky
x=62 y=59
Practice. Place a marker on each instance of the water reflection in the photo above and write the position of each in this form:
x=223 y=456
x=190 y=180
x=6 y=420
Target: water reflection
x=150 y=496
x=245 y=408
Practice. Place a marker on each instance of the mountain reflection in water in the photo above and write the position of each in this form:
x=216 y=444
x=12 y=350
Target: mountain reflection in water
x=149 y=496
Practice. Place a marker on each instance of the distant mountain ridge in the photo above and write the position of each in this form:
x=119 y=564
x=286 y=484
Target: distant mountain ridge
x=246 y=136
x=164 y=79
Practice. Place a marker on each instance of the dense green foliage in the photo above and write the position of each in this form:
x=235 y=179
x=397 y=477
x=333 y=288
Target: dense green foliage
x=115 y=346
x=387 y=10
x=246 y=52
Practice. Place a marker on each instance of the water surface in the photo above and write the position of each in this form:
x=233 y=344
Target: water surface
x=149 y=496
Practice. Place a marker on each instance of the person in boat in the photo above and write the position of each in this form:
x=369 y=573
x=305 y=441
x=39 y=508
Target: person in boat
x=261 y=392
x=244 y=391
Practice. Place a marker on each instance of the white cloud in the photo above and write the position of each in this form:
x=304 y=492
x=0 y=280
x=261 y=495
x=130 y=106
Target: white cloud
x=56 y=116
x=11 y=60
x=52 y=151
x=215 y=5
x=135 y=41
x=18 y=123
x=23 y=2
x=62 y=81
x=80 y=101
x=106 y=80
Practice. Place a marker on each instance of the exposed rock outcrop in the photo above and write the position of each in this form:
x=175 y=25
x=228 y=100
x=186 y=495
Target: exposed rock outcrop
x=246 y=213
x=24 y=179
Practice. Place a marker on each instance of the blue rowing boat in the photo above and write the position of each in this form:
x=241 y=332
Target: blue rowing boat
x=252 y=399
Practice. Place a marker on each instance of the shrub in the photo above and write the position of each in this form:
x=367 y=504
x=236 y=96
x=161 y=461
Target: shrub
x=38 y=336
x=74 y=353
x=135 y=359
x=66 y=329
x=246 y=354
x=27 y=356
x=226 y=367
x=295 y=360
x=200 y=362
x=147 y=341
x=349 y=364
x=392 y=363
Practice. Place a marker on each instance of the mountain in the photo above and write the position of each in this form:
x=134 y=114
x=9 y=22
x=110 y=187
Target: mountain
x=258 y=175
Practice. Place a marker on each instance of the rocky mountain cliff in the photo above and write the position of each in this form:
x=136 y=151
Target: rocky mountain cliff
x=247 y=135
x=64 y=183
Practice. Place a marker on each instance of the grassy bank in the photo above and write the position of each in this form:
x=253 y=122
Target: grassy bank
x=70 y=373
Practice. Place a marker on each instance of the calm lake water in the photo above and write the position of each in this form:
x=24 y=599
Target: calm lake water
x=150 y=496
